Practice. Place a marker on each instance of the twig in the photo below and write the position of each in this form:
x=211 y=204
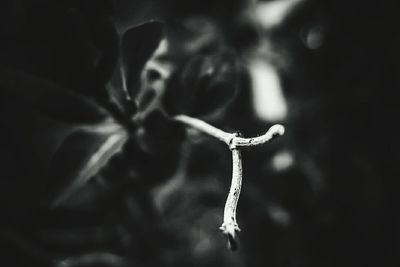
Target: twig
x=205 y=127
x=274 y=131
x=229 y=226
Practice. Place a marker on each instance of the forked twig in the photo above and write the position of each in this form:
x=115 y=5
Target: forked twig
x=229 y=226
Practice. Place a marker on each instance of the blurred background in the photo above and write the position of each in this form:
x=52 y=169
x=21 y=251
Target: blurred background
x=324 y=194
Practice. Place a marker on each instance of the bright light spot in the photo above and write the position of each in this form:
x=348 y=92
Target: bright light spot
x=282 y=161
x=269 y=102
x=279 y=215
x=270 y=14
x=313 y=37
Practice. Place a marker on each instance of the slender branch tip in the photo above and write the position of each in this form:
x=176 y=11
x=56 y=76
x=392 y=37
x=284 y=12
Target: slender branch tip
x=235 y=142
x=277 y=130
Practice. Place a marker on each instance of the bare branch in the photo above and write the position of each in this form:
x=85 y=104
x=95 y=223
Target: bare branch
x=229 y=226
x=274 y=131
x=205 y=127
x=229 y=138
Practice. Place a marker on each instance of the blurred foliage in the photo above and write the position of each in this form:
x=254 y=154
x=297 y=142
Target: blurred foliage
x=76 y=73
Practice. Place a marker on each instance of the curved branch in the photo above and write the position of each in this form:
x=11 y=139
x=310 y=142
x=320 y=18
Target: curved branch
x=229 y=226
x=230 y=138
x=275 y=131
x=205 y=127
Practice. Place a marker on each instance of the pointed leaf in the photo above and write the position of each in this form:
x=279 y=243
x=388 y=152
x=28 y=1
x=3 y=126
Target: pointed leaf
x=49 y=99
x=138 y=45
x=80 y=157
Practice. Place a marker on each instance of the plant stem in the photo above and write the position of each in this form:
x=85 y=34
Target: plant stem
x=229 y=226
x=205 y=127
x=229 y=138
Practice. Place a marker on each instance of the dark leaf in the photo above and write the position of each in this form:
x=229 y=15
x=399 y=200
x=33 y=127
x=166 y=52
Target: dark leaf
x=81 y=156
x=107 y=41
x=206 y=84
x=160 y=134
x=73 y=45
x=99 y=34
x=49 y=99
x=137 y=46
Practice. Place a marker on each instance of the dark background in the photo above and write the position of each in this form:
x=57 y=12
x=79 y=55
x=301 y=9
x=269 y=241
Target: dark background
x=336 y=205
